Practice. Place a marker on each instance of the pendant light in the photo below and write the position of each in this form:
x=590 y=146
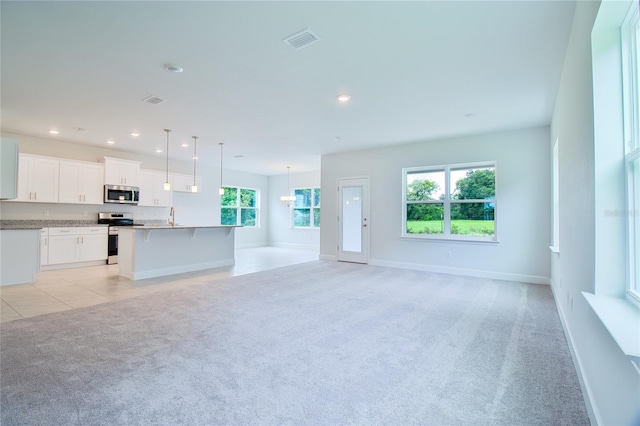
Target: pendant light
x=194 y=188
x=288 y=199
x=167 y=185
x=221 y=189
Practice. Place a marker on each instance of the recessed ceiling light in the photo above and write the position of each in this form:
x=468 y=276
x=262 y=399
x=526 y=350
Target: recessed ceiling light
x=195 y=157
x=238 y=156
x=343 y=98
x=173 y=68
x=110 y=142
x=158 y=151
x=184 y=144
x=53 y=132
x=134 y=134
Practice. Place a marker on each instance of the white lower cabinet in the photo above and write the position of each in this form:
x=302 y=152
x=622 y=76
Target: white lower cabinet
x=77 y=244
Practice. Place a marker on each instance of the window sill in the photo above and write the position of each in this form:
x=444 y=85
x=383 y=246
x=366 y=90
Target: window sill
x=622 y=321
x=450 y=240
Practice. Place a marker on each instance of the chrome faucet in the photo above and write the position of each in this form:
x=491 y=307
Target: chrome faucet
x=172 y=214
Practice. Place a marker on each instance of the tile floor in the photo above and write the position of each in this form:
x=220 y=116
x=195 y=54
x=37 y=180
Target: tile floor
x=65 y=289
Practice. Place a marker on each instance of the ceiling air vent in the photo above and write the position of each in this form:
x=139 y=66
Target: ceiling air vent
x=153 y=100
x=302 y=39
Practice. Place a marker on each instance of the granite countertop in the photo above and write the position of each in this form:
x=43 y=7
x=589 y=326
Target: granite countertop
x=167 y=226
x=39 y=224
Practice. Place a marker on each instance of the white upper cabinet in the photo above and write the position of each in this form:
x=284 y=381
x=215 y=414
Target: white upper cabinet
x=81 y=182
x=121 y=172
x=9 y=152
x=38 y=179
x=152 y=191
x=184 y=183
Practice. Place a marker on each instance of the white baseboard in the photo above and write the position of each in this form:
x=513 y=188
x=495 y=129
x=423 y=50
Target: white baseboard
x=251 y=245
x=295 y=246
x=328 y=257
x=531 y=279
x=73 y=265
x=592 y=410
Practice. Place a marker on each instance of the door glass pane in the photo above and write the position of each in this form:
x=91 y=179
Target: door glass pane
x=352 y=219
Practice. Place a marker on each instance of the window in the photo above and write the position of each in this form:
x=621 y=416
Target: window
x=306 y=208
x=239 y=206
x=631 y=100
x=450 y=202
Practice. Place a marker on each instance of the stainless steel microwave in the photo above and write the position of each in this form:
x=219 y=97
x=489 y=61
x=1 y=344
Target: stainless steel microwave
x=121 y=194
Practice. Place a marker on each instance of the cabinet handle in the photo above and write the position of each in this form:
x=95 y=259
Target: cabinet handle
x=45 y=241
x=84 y=197
x=64 y=230
x=82 y=240
x=79 y=197
x=35 y=195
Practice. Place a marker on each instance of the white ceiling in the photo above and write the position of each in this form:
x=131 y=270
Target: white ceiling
x=415 y=70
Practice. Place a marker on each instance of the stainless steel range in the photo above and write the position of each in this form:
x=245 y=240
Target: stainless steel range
x=114 y=220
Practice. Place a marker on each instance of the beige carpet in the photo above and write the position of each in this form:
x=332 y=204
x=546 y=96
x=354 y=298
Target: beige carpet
x=316 y=343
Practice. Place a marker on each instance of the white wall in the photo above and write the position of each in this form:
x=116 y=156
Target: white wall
x=281 y=233
x=191 y=209
x=523 y=197
x=609 y=381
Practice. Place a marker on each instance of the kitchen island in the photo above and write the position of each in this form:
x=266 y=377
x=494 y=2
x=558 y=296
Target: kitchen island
x=159 y=250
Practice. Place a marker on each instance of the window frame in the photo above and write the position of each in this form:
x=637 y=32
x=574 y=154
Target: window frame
x=630 y=43
x=448 y=201
x=239 y=208
x=312 y=207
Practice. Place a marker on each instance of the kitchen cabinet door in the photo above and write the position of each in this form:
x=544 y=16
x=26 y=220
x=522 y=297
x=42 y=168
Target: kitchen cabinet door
x=121 y=172
x=93 y=246
x=38 y=179
x=152 y=191
x=184 y=183
x=64 y=248
x=80 y=182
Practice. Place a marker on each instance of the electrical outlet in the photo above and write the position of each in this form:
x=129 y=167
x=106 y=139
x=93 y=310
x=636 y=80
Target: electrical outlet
x=449 y=254
x=46 y=212
x=85 y=214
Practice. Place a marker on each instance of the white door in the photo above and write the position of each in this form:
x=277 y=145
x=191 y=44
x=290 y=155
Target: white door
x=353 y=223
